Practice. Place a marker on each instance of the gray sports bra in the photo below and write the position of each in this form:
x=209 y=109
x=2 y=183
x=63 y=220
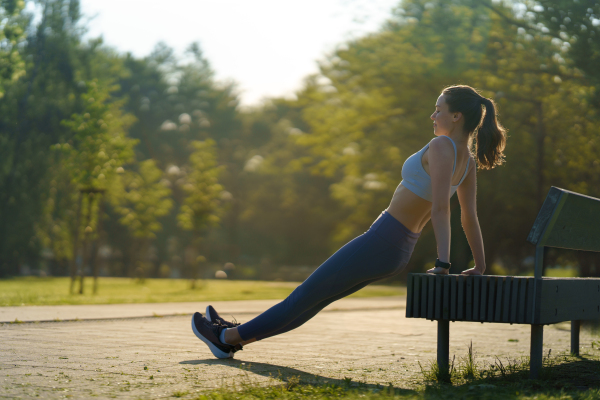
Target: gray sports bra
x=415 y=179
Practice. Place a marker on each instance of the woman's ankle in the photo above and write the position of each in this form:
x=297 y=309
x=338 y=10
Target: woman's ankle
x=232 y=336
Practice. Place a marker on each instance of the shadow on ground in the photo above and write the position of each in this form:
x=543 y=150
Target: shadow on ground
x=566 y=373
x=561 y=373
x=290 y=375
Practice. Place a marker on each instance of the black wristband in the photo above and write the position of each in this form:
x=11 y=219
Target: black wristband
x=442 y=264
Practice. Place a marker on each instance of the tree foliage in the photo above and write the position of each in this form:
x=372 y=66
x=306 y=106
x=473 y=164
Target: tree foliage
x=289 y=181
x=201 y=208
x=99 y=145
x=141 y=198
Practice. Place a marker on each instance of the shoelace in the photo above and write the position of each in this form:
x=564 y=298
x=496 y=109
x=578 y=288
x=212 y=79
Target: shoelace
x=237 y=347
x=233 y=324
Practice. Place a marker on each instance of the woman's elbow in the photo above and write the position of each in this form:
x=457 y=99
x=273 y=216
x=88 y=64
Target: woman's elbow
x=440 y=210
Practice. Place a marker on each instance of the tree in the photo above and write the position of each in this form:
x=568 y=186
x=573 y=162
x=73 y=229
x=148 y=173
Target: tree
x=141 y=199
x=176 y=102
x=31 y=110
x=99 y=147
x=285 y=214
x=202 y=207
x=575 y=26
x=13 y=23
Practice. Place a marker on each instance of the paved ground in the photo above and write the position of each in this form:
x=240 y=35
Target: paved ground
x=366 y=340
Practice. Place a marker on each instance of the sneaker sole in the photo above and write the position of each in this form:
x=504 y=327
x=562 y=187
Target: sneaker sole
x=214 y=349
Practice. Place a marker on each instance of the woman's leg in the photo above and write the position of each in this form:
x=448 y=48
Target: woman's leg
x=365 y=259
x=233 y=337
x=308 y=314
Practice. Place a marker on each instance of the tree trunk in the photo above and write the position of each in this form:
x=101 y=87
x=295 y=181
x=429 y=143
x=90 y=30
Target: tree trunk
x=76 y=243
x=96 y=246
x=86 y=240
x=541 y=135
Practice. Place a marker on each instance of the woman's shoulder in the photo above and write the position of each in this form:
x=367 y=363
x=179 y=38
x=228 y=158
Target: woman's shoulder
x=442 y=146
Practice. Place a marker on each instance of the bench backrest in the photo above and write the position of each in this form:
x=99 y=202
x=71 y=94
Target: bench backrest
x=566 y=220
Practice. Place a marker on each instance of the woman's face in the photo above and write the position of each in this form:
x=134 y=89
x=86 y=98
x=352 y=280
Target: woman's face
x=443 y=119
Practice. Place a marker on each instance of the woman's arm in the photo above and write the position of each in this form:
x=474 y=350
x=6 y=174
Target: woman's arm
x=441 y=161
x=467 y=197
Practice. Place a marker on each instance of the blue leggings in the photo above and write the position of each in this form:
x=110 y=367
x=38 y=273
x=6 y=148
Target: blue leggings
x=381 y=252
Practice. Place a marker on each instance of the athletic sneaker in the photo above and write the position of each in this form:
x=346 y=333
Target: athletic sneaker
x=209 y=333
x=213 y=316
x=236 y=348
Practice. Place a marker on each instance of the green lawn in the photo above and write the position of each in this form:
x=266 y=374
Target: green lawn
x=53 y=291
x=563 y=377
x=474 y=392
x=566 y=272
x=561 y=272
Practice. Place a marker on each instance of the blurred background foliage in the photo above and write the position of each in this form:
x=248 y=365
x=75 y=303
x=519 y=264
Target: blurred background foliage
x=193 y=179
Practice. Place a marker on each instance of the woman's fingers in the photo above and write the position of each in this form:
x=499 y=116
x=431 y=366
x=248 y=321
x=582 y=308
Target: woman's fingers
x=471 y=271
x=438 y=271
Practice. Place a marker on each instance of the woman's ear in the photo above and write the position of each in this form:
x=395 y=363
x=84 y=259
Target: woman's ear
x=456 y=117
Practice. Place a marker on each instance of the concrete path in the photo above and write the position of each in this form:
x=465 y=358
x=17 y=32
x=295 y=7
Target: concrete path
x=226 y=308
x=362 y=340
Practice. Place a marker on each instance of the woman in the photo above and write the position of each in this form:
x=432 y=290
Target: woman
x=430 y=177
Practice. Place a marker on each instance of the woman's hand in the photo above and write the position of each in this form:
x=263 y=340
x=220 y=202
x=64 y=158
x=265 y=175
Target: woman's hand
x=473 y=271
x=438 y=271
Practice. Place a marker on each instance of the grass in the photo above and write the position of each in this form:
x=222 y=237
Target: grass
x=326 y=392
x=55 y=291
x=562 y=272
x=566 y=272
x=563 y=377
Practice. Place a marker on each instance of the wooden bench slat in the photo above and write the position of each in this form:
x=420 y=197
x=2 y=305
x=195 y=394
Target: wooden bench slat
x=416 y=295
x=453 y=297
x=424 y=284
x=438 y=297
x=514 y=299
x=529 y=307
x=491 y=299
x=522 y=311
x=499 y=293
x=430 y=298
x=469 y=299
x=461 y=297
x=484 y=296
x=506 y=299
x=476 y=297
x=409 y=293
x=446 y=299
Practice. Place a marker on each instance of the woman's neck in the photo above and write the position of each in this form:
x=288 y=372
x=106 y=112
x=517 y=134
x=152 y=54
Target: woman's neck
x=459 y=138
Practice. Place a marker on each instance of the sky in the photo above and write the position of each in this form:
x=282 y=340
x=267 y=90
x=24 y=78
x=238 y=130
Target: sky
x=266 y=46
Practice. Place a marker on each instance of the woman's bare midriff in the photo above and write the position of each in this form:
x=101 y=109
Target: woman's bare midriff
x=412 y=211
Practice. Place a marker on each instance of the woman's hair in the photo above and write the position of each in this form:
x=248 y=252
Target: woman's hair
x=490 y=136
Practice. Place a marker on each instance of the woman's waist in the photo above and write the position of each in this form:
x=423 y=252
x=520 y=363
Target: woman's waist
x=393 y=230
x=409 y=209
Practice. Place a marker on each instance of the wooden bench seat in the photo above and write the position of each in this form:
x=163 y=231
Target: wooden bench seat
x=506 y=299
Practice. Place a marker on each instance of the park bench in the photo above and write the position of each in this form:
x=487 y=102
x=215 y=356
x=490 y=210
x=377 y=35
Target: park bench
x=566 y=220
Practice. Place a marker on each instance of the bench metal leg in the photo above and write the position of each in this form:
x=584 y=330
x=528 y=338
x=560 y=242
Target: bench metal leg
x=443 y=345
x=535 y=359
x=575 y=327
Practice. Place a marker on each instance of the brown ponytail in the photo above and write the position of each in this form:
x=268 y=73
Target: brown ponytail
x=490 y=136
